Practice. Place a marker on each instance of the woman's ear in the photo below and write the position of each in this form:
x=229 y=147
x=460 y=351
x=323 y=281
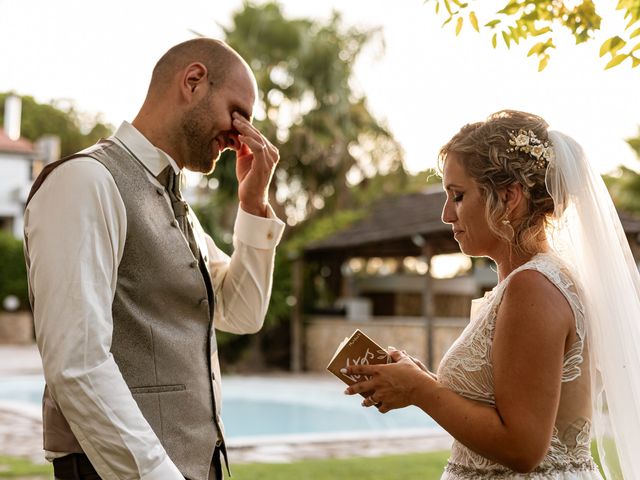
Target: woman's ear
x=512 y=196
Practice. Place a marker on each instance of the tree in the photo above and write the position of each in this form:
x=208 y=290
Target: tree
x=520 y=20
x=327 y=137
x=624 y=186
x=75 y=129
x=331 y=146
x=13 y=274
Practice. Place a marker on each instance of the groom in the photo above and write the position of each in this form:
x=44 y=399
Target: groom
x=127 y=289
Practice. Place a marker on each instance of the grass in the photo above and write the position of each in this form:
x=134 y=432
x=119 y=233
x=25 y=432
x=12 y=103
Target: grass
x=408 y=467
x=423 y=466
x=21 y=468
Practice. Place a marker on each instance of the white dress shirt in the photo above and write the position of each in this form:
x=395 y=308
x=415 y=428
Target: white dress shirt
x=75 y=227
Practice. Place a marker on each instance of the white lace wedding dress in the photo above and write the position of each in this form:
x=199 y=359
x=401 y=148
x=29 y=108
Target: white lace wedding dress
x=467 y=369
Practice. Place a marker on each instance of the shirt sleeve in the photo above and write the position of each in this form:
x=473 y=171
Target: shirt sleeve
x=75 y=230
x=242 y=283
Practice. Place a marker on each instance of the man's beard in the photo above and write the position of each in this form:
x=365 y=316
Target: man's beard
x=198 y=139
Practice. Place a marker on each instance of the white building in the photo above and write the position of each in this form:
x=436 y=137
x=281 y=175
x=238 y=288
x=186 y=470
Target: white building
x=17 y=156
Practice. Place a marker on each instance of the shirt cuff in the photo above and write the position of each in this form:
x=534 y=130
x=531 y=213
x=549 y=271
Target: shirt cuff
x=165 y=471
x=258 y=232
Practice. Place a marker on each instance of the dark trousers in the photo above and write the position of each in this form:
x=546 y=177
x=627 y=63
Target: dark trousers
x=77 y=466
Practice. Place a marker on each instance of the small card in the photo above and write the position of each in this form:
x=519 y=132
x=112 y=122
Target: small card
x=358 y=349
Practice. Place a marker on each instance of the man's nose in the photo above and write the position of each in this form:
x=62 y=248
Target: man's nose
x=232 y=140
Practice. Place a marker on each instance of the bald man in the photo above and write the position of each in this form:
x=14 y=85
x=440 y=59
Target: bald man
x=127 y=289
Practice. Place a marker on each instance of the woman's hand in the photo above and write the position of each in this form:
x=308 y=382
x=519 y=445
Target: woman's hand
x=390 y=386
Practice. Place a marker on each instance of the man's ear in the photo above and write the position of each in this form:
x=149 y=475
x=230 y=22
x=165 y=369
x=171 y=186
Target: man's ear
x=193 y=78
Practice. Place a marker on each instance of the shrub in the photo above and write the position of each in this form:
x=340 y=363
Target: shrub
x=13 y=272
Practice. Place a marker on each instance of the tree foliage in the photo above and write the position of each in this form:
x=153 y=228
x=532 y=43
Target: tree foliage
x=328 y=139
x=520 y=20
x=13 y=273
x=75 y=129
x=624 y=185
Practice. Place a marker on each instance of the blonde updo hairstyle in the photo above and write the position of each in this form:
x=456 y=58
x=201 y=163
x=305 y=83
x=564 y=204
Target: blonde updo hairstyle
x=484 y=151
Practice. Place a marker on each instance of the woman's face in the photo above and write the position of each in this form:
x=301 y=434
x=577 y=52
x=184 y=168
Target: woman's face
x=464 y=210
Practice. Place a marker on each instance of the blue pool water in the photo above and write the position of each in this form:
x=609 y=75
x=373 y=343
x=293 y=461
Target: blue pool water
x=273 y=406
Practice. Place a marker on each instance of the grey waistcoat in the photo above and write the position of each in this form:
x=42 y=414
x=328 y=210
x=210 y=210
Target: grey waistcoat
x=163 y=334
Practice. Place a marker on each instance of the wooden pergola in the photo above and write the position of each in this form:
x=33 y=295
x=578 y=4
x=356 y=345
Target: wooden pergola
x=401 y=226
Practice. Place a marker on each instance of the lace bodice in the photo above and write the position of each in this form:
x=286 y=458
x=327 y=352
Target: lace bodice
x=468 y=370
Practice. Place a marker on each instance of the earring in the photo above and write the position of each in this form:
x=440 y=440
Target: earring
x=506 y=221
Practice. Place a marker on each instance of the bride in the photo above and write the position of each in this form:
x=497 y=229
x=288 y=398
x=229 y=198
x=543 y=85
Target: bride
x=551 y=356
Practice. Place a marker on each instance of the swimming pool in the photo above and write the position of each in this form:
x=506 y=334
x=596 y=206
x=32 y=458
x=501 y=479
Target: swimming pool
x=264 y=407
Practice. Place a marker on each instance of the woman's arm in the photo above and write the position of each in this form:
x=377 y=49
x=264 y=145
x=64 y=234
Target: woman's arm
x=533 y=327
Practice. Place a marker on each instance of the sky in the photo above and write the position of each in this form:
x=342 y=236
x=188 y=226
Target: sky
x=424 y=85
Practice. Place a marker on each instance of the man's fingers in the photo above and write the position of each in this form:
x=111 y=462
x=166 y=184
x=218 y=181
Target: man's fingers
x=251 y=136
x=245 y=128
x=259 y=149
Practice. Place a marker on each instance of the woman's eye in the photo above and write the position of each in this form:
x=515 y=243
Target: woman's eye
x=457 y=198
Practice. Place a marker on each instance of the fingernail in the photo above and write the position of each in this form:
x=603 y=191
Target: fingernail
x=343 y=370
x=346 y=392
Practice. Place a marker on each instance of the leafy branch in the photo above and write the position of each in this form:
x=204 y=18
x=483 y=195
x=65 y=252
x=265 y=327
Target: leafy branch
x=521 y=20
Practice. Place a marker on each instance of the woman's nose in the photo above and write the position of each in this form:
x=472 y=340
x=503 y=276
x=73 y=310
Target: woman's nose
x=448 y=213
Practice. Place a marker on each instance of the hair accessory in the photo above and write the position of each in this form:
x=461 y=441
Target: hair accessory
x=528 y=142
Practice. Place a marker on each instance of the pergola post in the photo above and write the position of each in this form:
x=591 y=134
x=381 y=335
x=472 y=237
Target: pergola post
x=297 y=340
x=428 y=304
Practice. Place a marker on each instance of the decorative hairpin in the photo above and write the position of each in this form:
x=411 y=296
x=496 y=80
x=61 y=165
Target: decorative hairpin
x=528 y=142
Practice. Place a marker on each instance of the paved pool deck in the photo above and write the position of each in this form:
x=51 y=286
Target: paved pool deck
x=21 y=429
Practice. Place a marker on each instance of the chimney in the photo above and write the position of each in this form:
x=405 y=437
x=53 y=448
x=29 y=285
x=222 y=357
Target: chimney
x=12 y=116
x=48 y=148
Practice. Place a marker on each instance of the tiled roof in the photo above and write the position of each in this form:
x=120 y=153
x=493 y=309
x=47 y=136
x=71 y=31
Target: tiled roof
x=393 y=223
x=21 y=145
x=391 y=219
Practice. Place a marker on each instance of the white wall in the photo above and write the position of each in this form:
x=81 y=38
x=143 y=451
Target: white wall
x=15 y=182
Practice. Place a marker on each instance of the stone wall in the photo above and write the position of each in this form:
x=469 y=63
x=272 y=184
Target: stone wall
x=324 y=334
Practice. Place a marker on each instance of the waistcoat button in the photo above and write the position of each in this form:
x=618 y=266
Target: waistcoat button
x=203 y=301
x=194 y=264
x=174 y=223
x=160 y=191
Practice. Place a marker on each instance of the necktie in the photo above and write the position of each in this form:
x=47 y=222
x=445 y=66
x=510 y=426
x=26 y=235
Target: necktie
x=171 y=181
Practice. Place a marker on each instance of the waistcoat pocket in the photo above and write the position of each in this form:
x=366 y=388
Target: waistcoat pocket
x=159 y=388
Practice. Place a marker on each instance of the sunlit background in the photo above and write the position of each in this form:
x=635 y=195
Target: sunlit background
x=388 y=265
x=421 y=79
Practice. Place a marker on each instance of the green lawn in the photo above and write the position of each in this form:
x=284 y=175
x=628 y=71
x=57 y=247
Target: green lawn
x=408 y=467
x=423 y=466
x=11 y=467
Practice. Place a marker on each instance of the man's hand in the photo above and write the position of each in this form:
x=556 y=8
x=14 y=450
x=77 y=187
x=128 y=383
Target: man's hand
x=255 y=162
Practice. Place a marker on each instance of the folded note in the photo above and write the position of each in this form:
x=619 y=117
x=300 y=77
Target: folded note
x=358 y=349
